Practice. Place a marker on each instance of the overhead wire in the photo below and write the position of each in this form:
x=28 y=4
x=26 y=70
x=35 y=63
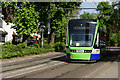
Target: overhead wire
x=96 y=5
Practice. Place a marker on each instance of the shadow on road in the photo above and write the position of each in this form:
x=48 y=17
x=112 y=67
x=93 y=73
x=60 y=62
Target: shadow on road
x=63 y=59
x=112 y=55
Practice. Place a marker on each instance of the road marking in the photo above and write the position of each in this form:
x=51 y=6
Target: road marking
x=29 y=68
x=26 y=69
x=35 y=70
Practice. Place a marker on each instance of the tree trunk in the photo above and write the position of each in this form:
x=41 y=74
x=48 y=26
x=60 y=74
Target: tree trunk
x=53 y=37
x=48 y=38
x=61 y=37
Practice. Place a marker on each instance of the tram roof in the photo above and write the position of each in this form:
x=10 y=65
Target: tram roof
x=84 y=20
x=87 y=21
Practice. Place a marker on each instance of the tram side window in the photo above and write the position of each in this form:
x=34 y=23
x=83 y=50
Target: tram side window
x=97 y=44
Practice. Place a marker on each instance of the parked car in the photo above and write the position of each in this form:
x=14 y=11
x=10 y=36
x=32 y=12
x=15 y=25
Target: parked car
x=31 y=41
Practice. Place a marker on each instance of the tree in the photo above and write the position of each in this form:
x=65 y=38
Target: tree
x=26 y=15
x=116 y=19
x=61 y=30
x=24 y=18
x=110 y=16
x=58 y=12
x=104 y=16
x=105 y=12
x=88 y=16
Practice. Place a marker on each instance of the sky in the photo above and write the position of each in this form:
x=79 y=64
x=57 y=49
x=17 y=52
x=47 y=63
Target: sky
x=91 y=4
x=97 y=0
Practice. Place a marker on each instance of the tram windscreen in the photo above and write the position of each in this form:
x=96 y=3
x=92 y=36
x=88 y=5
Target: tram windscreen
x=81 y=34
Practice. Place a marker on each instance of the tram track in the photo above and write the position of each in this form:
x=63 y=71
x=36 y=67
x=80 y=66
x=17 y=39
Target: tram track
x=19 y=66
x=28 y=65
x=31 y=70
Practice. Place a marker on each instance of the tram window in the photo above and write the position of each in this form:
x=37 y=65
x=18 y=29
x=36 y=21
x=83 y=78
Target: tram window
x=82 y=33
x=87 y=25
x=97 y=44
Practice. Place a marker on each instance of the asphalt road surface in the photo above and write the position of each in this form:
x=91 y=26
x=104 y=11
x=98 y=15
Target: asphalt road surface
x=55 y=66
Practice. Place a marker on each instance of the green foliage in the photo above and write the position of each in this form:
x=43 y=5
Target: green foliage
x=110 y=15
x=105 y=12
x=10 y=50
x=59 y=19
x=36 y=45
x=59 y=46
x=0 y=51
x=61 y=30
x=21 y=45
x=118 y=36
x=8 y=42
x=49 y=47
x=24 y=17
x=88 y=16
x=113 y=39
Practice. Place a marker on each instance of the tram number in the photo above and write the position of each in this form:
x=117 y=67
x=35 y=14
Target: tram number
x=80 y=51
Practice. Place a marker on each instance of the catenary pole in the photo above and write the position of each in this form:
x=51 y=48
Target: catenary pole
x=49 y=23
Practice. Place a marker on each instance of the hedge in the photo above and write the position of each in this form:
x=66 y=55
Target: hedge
x=19 y=50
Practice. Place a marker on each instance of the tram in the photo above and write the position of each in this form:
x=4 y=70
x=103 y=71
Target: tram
x=86 y=38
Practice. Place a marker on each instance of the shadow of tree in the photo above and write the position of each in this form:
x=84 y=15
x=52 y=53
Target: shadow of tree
x=111 y=56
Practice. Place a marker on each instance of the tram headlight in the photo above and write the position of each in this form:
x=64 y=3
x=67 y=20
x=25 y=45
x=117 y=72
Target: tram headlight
x=96 y=51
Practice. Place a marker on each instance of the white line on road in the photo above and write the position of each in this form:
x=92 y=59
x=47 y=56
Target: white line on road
x=34 y=70
x=26 y=69
x=29 y=68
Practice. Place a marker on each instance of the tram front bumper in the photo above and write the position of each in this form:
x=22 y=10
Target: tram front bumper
x=83 y=56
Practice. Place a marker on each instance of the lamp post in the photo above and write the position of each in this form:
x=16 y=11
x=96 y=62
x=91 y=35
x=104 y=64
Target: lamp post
x=42 y=27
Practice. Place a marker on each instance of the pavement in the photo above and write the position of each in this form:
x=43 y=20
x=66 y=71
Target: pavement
x=30 y=57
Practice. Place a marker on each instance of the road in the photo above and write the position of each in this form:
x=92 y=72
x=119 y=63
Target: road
x=55 y=66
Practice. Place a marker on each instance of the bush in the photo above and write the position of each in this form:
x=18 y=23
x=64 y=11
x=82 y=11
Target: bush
x=113 y=39
x=10 y=50
x=59 y=46
x=36 y=45
x=118 y=36
x=21 y=45
x=8 y=42
x=48 y=46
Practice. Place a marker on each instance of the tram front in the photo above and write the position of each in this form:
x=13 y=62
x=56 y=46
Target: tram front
x=81 y=35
